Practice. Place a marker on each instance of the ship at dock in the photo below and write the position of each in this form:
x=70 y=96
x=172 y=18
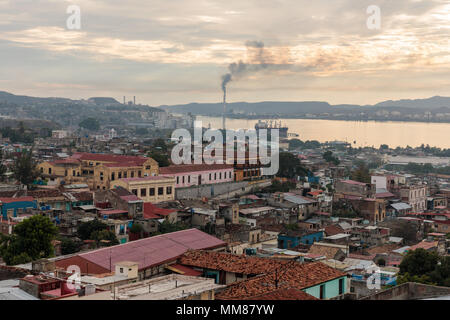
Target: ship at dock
x=272 y=124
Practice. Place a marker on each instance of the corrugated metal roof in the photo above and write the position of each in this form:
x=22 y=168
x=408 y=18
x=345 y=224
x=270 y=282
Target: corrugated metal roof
x=154 y=250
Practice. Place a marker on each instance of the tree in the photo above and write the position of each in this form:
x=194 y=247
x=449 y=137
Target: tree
x=24 y=168
x=160 y=144
x=136 y=228
x=90 y=124
x=31 y=240
x=278 y=186
x=166 y=227
x=107 y=235
x=69 y=246
x=86 y=229
x=361 y=174
x=3 y=168
x=290 y=166
x=328 y=156
x=419 y=262
x=161 y=158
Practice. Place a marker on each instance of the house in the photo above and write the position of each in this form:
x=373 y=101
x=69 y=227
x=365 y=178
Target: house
x=13 y=207
x=415 y=196
x=330 y=251
x=249 y=276
x=292 y=238
x=119 y=198
x=98 y=170
x=355 y=188
x=152 y=254
x=197 y=174
x=150 y=189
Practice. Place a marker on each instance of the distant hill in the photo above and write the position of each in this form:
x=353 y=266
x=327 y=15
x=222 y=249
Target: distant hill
x=304 y=107
x=25 y=100
x=435 y=102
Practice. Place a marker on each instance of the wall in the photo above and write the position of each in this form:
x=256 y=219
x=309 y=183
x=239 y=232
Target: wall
x=208 y=191
x=331 y=289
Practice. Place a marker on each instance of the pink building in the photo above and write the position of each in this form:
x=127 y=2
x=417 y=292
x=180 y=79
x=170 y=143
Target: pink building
x=196 y=174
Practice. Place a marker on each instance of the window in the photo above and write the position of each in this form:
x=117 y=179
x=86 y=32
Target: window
x=139 y=173
x=169 y=190
x=143 y=192
x=125 y=174
x=134 y=191
x=113 y=176
x=152 y=191
x=160 y=191
x=147 y=167
x=65 y=173
x=119 y=175
x=42 y=170
x=178 y=180
x=189 y=179
x=210 y=177
x=322 y=291
x=74 y=173
x=215 y=175
x=121 y=270
x=229 y=176
x=132 y=174
x=183 y=179
x=220 y=175
x=341 y=286
x=49 y=170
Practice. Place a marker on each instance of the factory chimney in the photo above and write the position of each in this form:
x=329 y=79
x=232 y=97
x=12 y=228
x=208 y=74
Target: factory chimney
x=124 y=100
x=134 y=100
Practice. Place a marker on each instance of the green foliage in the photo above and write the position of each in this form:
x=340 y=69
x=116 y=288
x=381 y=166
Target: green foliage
x=107 y=235
x=160 y=144
x=86 y=229
x=69 y=246
x=361 y=173
x=328 y=156
x=425 y=267
x=290 y=166
x=18 y=135
x=136 y=228
x=298 y=144
x=91 y=124
x=24 y=168
x=167 y=227
x=30 y=241
x=278 y=186
x=161 y=158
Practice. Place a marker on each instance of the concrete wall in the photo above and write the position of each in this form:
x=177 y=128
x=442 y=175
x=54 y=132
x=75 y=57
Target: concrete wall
x=331 y=289
x=209 y=190
x=410 y=291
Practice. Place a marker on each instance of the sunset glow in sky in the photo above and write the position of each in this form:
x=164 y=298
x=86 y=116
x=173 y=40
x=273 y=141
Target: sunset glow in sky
x=170 y=52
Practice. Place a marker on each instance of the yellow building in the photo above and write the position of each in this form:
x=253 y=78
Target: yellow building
x=150 y=189
x=98 y=170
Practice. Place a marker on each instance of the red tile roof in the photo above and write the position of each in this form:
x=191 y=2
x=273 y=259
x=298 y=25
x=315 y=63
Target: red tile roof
x=111 y=158
x=19 y=199
x=229 y=262
x=153 y=212
x=295 y=276
x=283 y=294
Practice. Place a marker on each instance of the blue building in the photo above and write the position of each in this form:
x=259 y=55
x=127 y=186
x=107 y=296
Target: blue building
x=11 y=207
x=293 y=238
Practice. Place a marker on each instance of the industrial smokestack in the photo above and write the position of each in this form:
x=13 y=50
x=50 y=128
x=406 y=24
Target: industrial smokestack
x=124 y=100
x=134 y=100
x=224 y=107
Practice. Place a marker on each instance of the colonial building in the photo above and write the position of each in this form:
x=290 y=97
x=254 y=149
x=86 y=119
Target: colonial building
x=150 y=189
x=98 y=170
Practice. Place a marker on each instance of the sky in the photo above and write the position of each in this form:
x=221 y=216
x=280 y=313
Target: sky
x=176 y=51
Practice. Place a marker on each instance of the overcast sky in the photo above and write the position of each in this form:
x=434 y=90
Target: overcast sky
x=175 y=51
